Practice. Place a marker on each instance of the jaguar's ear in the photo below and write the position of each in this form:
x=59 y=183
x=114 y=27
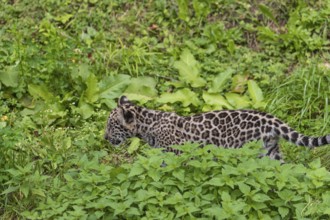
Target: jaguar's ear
x=127 y=117
x=123 y=100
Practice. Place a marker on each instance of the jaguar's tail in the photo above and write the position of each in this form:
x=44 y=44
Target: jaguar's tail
x=303 y=140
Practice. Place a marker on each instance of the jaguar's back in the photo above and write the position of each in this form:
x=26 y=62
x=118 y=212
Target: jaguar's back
x=228 y=128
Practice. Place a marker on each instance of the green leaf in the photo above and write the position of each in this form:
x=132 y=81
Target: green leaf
x=239 y=82
x=85 y=109
x=142 y=89
x=154 y=174
x=256 y=94
x=238 y=101
x=183 y=9
x=217 y=212
x=64 y=18
x=215 y=101
x=91 y=92
x=267 y=12
x=38 y=192
x=10 y=76
x=185 y=96
x=315 y=164
x=215 y=181
x=260 y=197
x=82 y=71
x=225 y=197
x=112 y=87
x=220 y=82
x=245 y=189
x=134 y=145
x=283 y=211
x=179 y=174
x=136 y=170
x=40 y=92
x=25 y=189
x=189 y=69
x=10 y=190
x=174 y=200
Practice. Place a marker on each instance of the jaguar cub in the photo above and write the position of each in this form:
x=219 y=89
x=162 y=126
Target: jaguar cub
x=228 y=128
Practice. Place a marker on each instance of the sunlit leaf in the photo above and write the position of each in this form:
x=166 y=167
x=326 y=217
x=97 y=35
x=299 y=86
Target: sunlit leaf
x=238 y=101
x=220 y=82
x=134 y=145
x=256 y=94
x=141 y=89
x=136 y=170
x=179 y=174
x=185 y=96
x=216 y=101
x=91 y=92
x=239 y=82
x=189 y=70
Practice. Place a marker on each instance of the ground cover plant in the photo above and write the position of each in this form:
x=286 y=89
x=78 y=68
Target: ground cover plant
x=64 y=63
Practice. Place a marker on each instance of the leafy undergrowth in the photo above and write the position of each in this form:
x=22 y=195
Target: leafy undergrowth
x=217 y=183
x=64 y=63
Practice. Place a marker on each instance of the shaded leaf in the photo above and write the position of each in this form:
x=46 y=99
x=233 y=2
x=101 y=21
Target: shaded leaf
x=40 y=92
x=85 y=109
x=10 y=76
x=267 y=12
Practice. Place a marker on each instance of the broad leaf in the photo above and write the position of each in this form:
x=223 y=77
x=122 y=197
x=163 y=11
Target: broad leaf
x=83 y=71
x=189 y=69
x=40 y=92
x=256 y=94
x=91 y=92
x=215 y=101
x=260 y=197
x=10 y=76
x=112 y=87
x=179 y=174
x=185 y=96
x=134 y=145
x=238 y=101
x=85 y=109
x=220 y=82
x=136 y=170
x=142 y=89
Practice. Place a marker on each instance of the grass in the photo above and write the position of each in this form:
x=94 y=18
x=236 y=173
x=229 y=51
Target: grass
x=63 y=64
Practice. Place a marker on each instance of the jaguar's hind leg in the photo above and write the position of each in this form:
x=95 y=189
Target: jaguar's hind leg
x=272 y=148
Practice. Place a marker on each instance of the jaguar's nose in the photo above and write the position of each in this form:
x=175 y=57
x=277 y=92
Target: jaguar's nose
x=106 y=136
x=115 y=142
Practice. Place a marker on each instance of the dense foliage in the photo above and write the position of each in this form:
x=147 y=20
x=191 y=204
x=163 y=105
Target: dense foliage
x=64 y=63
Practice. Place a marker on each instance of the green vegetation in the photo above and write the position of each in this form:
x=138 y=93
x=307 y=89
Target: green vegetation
x=64 y=63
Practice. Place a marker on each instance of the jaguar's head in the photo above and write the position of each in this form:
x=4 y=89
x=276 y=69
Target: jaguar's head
x=121 y=122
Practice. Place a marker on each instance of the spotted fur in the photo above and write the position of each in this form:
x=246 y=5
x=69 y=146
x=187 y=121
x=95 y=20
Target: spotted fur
x=228 y=128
